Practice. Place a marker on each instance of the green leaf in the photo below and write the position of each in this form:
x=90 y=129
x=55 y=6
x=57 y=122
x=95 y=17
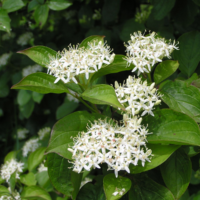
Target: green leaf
x=33 y=5
x=102 y=94
x=12 y=182
x=118 y=65
x=35 y=158
x=42 y=83
x=171 y=127
x=58 y=4
x=44 y=181
x=39 y=54
x=161 y=154
x=27 y=109
x=35 y=192
x=96 y=38
x=41 y=14
x=183 y=98
x=10 y=155
x=23 y=97
x=176 y=173
x=4 y=21
x=164 y=70
x=65 y=129
x=130 y=26
x=37 y=97
x=188 y=54
x=28 y=179
x=161 y=8
x=112 y=184
x=148 y=189
x=4 y=191
x=11 y=6
x=62 y=181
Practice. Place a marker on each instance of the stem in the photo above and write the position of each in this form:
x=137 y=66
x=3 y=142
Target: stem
x=149 y=76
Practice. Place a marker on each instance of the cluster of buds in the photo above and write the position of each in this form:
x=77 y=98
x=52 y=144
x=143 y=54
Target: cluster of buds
x=75 y=61
x=118 y=146
x=11 y=167
x=145 y=51
x=137 y=96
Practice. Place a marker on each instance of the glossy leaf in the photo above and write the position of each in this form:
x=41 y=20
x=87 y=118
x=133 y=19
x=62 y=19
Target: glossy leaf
x=188 y=54
x=164 y=70
x=4 y=191
x=58 y=4
x=28 y=179
x=35 y=158
x=41 y=14
x=10 y=155
x=110 y=183
x=41 y=83
x=171 y=127
x=23 y=97
x=27 y=109
x=4 y=21
x=66 y=129
x=160 y=154
x=11 y=6
x=33 y=5
x=183 y=98
x=176 y=173
x=44 y=181
x=63 y=181
x=39 y=54
x=35 y=192
x=161 y=8
x=101 y=94
x=118 y=65
x=96 y=38
x=148 y=189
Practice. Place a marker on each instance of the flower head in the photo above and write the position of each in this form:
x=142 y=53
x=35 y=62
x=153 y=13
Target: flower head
x=145 y=51
x=42 y=168
x=44 y=132
x=31 y=69
x=79 y=60
x=21 y=133
x=30 y=146
x=11 y=167
x=4 y=59
x=24 y=38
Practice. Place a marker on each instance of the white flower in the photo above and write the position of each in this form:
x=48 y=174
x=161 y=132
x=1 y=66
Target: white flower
x=11 y=167
x=30 y=146
x=145 y=51
x=31 y=69
x=119 y=191
x=86 y=180
x=4 y=59
x=42 y=168
x=104 y=142
x=75 y=61
x=137 y=96
x=21 y=133
x=44 y=132
x=24 y=38
x=8 y=36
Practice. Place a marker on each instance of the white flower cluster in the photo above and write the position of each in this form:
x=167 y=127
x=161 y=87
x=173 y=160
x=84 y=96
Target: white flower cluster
x=15 y=194
x=75 y=61
x=118 y=191
x=21 y=133
x=85 y=181
x=4 y=59
x=118 y=146
x=44 y=132
x=137 y=96
x=71 y=98
x=42 y=168
x=11 y=167
x=145 y=51
x=8 y=36
x=31 y=69
x=30 y=146
x=24 y=38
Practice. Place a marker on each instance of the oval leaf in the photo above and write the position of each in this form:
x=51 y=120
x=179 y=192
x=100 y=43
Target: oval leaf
x=111 y=184
x=65 y=129
x=189 y=55
x=58 y=4
x=183 y=98
x=92 y=38
x=101 y=94
x=164 y=70
x=39 y=54
x=146 y=188
x=5 y=21
x=28 y=179
x=41 y=14
x=11 y=6
x=160 y=154
x=35 y=192
x=176 y=173
x=41 y=83
x=171 y=127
